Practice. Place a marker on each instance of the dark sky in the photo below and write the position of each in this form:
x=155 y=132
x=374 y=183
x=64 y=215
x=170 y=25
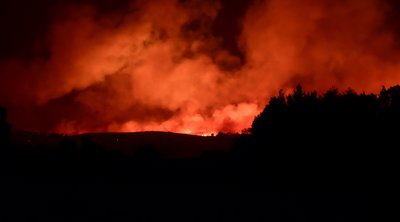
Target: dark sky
x=24 y=22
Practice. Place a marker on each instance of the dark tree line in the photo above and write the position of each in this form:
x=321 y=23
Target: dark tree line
x=332 y=114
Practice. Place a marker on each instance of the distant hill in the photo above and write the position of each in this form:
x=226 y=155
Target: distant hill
x=170 y=145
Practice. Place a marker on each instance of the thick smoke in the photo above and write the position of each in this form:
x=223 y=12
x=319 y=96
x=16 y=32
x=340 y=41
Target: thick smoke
x=320 y=44
x=157 y=65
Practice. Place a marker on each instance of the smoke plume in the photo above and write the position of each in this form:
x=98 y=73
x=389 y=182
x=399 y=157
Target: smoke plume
x=160 y=65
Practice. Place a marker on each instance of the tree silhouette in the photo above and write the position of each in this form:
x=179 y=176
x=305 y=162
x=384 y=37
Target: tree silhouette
x=334 y=134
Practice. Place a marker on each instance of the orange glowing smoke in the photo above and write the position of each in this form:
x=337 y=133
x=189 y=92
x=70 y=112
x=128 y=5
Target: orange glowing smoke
x=116 y=64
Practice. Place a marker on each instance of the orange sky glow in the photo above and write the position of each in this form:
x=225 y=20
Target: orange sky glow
x=147 y=69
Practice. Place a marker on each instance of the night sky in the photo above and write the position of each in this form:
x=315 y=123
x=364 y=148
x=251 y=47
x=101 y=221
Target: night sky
x=188 y=66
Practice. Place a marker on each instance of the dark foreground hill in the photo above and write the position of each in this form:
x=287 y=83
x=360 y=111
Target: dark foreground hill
x=166 y=144
x=307 y=157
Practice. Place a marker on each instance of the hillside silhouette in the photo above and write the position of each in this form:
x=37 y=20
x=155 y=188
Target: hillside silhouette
x=329 y=146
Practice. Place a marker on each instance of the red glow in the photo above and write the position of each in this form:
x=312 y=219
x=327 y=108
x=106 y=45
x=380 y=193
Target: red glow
x=145 y=59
